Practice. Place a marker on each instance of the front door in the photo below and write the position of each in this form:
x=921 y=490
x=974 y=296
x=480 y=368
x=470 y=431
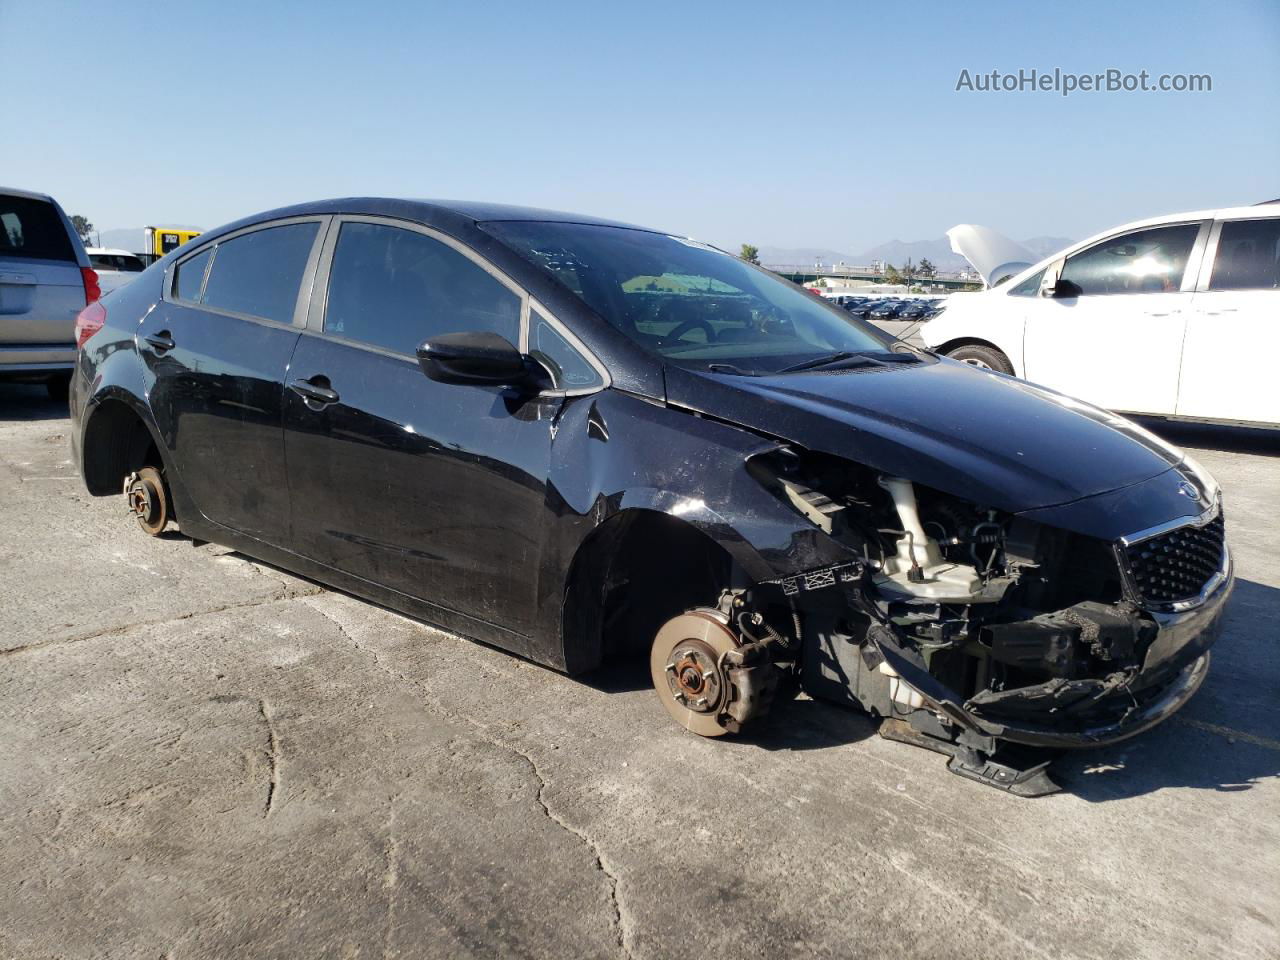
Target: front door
x=437 y=491
x=1228 y=365
x=216 y=350
x=1112 y=332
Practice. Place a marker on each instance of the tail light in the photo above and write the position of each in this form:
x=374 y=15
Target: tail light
x=89 y=321
x=91 y=289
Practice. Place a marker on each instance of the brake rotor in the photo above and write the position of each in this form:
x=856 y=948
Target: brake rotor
x=148 y=501
x=685 y=665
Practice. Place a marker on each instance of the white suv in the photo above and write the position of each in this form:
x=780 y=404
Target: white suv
x=115 y=268
x=1176 y=316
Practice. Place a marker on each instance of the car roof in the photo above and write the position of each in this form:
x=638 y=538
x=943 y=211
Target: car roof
x=114 y=251
x=475 y=211
x=482 y=212
x=29 y=194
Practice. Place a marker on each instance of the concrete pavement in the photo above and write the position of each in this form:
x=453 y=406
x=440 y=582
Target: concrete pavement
x=204 y=756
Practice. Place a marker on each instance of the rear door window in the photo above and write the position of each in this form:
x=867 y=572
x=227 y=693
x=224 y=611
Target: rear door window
x=395 y=288
x=31 y=229
x=1248 y=256
x=258 y=274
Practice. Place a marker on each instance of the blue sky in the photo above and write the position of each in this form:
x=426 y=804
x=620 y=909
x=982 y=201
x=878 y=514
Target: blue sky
x=838 y=126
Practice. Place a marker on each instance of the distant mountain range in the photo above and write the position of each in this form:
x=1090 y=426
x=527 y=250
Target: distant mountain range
x=896 y=252
x=131 y=238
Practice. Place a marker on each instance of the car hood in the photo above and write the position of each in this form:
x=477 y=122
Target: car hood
x=992 y=254
x=979 y=435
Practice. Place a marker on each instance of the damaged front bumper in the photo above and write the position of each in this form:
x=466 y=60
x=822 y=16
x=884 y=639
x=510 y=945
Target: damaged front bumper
x=1072 y=714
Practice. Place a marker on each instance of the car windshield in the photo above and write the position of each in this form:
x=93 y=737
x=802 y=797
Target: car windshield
x=686 y=301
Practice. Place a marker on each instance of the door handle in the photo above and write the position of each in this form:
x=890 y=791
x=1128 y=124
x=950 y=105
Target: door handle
x=315 y=391
x=161 y=341
x=1219 y=312
x=1161 y=313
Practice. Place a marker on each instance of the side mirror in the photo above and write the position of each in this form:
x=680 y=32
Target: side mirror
x=1061 y=289
x=479 y=359
x=1054 y=286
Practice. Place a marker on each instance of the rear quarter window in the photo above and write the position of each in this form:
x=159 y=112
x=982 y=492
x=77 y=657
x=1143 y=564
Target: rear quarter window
x=31 y=229
x=190 y=276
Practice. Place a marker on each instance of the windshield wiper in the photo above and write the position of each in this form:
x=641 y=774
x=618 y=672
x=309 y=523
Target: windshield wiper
x=873 y=359
x=730 y=368
x=814 y=362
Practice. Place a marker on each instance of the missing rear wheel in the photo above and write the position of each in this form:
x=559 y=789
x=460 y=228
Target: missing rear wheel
x=148 y=500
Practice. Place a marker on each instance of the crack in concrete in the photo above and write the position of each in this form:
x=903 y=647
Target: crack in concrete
x=273 y=757
x=390 y=876
x=619 y=923
x=160 y=621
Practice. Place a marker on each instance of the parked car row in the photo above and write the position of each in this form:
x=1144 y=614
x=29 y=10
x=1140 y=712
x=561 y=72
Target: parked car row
x=892 y=308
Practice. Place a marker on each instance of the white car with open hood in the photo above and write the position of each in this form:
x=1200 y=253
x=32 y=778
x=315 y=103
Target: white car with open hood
x=1175 y=316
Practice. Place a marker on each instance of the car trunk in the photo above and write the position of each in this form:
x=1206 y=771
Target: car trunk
x=39 y=300
x=41 y=286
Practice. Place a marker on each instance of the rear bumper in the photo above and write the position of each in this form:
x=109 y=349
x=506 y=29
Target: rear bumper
x=34 y=360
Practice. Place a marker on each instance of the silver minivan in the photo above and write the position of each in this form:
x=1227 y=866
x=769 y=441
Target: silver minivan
x=45 y=280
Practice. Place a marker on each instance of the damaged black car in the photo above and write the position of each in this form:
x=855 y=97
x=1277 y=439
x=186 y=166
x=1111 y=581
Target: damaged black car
x=581 y=440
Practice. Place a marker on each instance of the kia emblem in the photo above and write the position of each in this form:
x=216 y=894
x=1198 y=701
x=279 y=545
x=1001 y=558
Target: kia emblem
x=1187 y=490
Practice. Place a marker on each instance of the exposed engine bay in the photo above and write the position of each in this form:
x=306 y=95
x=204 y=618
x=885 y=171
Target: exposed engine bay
x=966 y=630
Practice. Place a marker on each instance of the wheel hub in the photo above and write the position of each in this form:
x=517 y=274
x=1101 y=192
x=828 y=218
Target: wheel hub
x=147 y=501
x=693 y=676
x=141 y=503
x=687 y=671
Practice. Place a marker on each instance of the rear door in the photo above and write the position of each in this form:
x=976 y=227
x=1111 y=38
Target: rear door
x=216 y=351
x=41 y=287
x=1112 y=333
x=1233 y=326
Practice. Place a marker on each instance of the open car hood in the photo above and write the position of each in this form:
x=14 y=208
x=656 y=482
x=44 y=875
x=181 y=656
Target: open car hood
x=990 y=439
x=992 y=254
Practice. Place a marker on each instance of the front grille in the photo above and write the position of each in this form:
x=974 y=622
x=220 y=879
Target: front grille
x=1176 y=565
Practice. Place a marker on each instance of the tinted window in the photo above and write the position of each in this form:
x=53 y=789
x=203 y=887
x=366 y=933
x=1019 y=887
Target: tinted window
x=570 y=370
x=33 y=230
x=115 y=261
x=1248 y=256
x=259 y=273
x=190 y=274
x=395 y=288
x=1028 y=287
x=1146 y=261
x=685 y=300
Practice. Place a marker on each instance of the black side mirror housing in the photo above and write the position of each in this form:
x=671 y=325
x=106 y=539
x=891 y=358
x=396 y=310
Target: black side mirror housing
x=479 y=358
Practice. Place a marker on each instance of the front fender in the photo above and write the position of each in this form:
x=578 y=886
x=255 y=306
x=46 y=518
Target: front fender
x=616 y=452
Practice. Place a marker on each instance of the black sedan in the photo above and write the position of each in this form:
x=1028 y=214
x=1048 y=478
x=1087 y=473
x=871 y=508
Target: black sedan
x=913 y=310
x=887 y=310
x=580 y=440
